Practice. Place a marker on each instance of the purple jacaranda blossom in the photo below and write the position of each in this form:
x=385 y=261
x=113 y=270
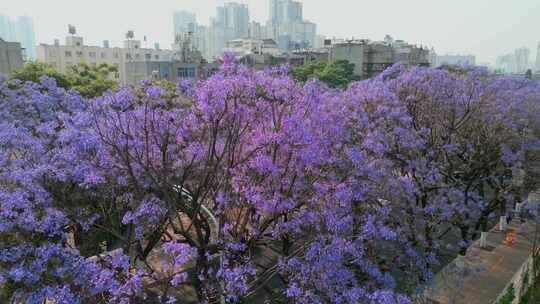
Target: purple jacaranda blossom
x=247 y=177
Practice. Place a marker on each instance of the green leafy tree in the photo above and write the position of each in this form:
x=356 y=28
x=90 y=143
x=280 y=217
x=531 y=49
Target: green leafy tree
x=90 y=81
x=337 y=74
x=34 y=70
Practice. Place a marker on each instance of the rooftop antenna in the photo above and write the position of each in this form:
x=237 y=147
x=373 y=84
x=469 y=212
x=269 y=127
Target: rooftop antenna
x=72 y=30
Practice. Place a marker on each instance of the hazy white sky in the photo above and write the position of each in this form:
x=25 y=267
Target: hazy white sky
x=486 y=28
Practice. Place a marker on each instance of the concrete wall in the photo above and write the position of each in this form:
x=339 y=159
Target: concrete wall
x=354 y=53
x=518 y=282
x=10 y=57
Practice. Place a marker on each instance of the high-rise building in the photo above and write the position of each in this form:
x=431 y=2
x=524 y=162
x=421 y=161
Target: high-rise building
x=234 y=18
x=184 y=22
x=256 y=30
x=7 y=30
x=24 y=32
x=287 y=25
x=522 y=59
x=231 y=22
x=538 y=57
x=292 y=11
x=19 y=30
x=185 y=25
x=283 y=11
x=10 y=56
x=517 y=62
x=507 y=64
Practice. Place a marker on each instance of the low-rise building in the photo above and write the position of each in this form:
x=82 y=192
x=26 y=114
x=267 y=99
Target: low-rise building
x=459 y=60
x=243 y=47
x=11 y=57
x=371 y=58
x=308 y=55
x=186 y=63
x=62 y=57
x=174 y=71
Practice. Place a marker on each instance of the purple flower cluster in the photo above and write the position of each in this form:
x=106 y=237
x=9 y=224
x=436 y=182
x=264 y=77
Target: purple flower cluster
x=249 y=178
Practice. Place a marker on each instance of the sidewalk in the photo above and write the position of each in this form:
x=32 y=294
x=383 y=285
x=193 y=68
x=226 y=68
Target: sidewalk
x=483 y=274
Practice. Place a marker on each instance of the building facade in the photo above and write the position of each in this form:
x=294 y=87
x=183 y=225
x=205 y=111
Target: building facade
x=174 y=71
x=517 y=62
x=11 y=57
x=287 y=26
x=522 y=59
x=243 y=47
x=62 y=57
x=537 y=66
x=19 y=30
x=183 y=22
x=459 y=60
x=371 y=58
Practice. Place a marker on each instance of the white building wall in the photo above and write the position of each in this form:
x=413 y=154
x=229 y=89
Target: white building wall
x=62 y=57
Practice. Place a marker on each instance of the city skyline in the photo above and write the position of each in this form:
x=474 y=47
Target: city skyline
x=484 y=28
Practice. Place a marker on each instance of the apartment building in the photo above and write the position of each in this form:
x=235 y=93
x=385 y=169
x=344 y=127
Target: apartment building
x=62 y=57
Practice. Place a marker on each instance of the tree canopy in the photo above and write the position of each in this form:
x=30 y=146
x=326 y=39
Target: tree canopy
x=33 y=71
x=250 y=182
x=90 y=81
x=336 y=74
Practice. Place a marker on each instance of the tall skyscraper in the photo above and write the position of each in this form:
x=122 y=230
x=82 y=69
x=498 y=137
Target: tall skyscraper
x=275 y=11
x=24 y=32
x=287 y=26
x=184 y=22
x=231 y=22
x=234 y=18
x=7 y=30
x=507 y=63
x=538 y=57
x=19 y=30
x=292 y=11
x=522 y=59
x=283 y=11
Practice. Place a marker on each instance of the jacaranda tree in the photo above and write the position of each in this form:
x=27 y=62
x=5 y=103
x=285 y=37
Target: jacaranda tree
x=249 y=182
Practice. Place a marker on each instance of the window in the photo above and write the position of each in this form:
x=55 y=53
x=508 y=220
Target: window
x=148 y=56
x=103 y=55
x=92 y=54
x=186 y=73
x=157 y=57
x=79 y=54
x=128 y=56
x=137 y=56
x=68 y=54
